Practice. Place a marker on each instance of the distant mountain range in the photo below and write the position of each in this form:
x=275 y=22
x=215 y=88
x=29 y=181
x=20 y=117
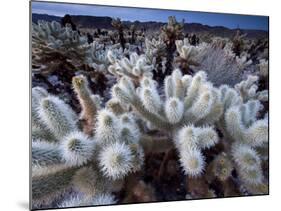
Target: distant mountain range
x=105 y=23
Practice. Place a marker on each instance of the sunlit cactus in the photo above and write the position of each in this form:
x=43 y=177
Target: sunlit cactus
x=57 y=116
x=40 y=131
x=77 y=149
x=116 y=160
x=189 y=141
x=135 y=67
x=190 y=107
x=187 y=55
x=248 y=90
x=79 y=160
x=37 y=94
x=242 y=125
x=174 y=110
x=103 y=199
x=107 y=128
x=245 y=133
x=73 y=201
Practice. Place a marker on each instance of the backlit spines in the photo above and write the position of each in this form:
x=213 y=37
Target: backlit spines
x=244 y=130
x=246 y=157
x=257 y=134
x=115 y=160
x=149 y=96
x=168 y=85
x=234 y=123
x=121 y=94
x=103 y=199
x=174 y=109
x=57 y=116
x=178 y=86
x=187 y=100
x=73 y=201
x=202 y=106
x=206 y=137
x=248 y=89
x=190 y=141
x=215 y=110
x=229 y=97
x=129 y=134
x=107 y=127
x=252 y=177
x=151 y=100
x=71 y=158
x=135 y=67
x=192 y=161
x=45 y=154
x=253 y=133
x=77 y=149
x=248 y=164
x=38 y=94
x=193 y=89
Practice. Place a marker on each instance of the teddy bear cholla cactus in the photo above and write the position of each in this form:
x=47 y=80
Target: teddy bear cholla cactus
x=52 y=42
x=136 y=67
x=64 y=46
x=248 y=89
x=244 y=134
x=193 y=102
x=155 y=52
x=57 y=36
x=187 y=55
x=182 y=113
x=190 y=102
x=154 y=48
x=94 y=163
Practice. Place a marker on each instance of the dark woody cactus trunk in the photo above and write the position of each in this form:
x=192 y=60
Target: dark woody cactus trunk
x=171 y=32
x=117 y=24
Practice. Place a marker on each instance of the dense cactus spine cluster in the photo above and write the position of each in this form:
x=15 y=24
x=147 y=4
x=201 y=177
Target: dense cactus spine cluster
x=189 y=143
x=112 y=151
x=164 y=101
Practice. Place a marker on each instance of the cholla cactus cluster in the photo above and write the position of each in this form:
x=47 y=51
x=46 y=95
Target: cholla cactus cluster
x=51 y=40
x=246 y=133
x=168 y=101
x=106 y=152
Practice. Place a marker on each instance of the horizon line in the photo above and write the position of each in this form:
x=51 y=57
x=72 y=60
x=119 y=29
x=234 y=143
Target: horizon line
x=237 y=28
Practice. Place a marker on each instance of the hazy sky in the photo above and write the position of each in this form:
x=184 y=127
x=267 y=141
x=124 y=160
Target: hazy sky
x=132 y=14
